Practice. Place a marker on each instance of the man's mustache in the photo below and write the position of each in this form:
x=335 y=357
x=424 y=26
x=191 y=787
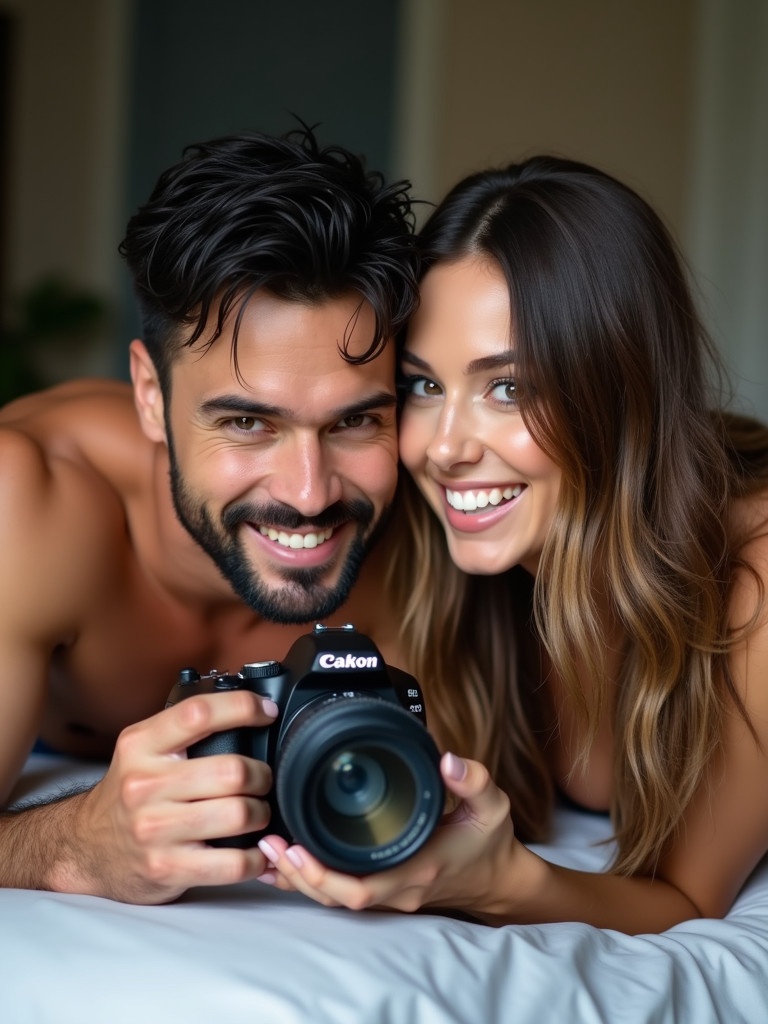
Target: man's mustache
x=276 y=514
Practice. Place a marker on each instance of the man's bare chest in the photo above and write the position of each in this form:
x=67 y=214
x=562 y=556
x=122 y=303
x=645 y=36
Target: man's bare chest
x=122 y=664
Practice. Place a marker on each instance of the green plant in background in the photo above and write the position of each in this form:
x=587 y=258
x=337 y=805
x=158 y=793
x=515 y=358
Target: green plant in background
x=46 y=322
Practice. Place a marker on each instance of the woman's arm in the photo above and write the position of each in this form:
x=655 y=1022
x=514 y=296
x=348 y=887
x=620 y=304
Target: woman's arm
x=474 y=863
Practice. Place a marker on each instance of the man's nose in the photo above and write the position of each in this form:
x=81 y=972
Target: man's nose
x=455 y=439
x=305 y=476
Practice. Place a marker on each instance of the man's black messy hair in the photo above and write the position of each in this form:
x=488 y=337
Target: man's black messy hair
x=251 y=211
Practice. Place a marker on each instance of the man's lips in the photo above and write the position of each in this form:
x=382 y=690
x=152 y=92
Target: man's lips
x=301 y=549
x=295 y=539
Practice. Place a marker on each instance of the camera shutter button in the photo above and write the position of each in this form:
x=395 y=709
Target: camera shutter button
x=261 y=669
x=188 y=675
x=226 y=682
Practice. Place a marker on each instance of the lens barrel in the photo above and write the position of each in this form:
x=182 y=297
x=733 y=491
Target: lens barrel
x=357 y=782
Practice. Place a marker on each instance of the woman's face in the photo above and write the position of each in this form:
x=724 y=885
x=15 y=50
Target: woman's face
x=461 y=435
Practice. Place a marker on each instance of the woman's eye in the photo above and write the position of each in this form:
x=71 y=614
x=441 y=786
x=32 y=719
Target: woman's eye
x=504 y=392
x=421 y=387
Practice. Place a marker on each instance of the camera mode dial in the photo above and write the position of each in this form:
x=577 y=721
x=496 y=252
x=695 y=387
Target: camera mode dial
x=261 y=669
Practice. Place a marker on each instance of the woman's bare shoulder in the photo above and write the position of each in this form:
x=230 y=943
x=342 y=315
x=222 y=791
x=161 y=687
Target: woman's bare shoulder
x=750 y=513
x=750 y=584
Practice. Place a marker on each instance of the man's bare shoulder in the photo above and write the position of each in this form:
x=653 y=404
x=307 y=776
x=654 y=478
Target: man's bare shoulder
x=78 y=419
x=68 y=457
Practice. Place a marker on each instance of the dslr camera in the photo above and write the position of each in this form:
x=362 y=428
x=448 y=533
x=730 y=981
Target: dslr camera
x=356 y=774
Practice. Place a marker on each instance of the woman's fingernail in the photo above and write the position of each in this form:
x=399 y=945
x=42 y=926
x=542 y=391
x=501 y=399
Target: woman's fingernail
x=454 y=767
x=269 y=707
x=268 y=878
x=295 y=857
x=269 y=851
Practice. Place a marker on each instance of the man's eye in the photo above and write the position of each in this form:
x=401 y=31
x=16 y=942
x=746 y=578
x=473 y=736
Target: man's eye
x=246 y=424
x=355 y=421
x=504 y=392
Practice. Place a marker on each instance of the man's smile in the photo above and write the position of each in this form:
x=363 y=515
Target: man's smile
x=296 y=540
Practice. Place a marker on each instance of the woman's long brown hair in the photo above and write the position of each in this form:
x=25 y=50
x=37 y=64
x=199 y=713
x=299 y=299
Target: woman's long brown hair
x=617 y=382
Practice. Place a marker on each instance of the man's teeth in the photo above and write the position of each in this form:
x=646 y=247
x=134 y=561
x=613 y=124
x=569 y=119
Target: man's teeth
x=296 y=540
x=471 y=501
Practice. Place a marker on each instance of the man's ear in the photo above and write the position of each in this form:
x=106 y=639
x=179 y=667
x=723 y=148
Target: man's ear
x=147 y=393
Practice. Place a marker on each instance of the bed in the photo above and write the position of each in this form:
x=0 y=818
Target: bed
x=251 y=953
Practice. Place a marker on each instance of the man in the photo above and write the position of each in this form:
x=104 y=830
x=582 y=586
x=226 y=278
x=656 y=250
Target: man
x=206 y=516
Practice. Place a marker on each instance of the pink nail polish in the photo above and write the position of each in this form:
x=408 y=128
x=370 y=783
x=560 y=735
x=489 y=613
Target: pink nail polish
x=294 y=856
x=268 y=850
x=455 y=767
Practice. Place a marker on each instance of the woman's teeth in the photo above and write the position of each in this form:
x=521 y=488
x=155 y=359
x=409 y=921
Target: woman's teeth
x=471 y=501
x=296 y=540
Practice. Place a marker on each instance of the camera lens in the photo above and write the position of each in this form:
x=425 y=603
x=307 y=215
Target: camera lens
x=366 y=796
x=357 y=782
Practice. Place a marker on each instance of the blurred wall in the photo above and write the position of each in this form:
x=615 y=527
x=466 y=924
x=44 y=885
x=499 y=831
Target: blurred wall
x=607 y=81
x=671 y=97
x=106 y=93
x=200 y=69
x=64 y=159
x=727 y=226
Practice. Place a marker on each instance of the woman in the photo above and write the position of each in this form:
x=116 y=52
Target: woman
x=599 y=632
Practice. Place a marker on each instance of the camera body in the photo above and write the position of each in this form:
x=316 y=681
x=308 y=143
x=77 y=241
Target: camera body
x=356 y=774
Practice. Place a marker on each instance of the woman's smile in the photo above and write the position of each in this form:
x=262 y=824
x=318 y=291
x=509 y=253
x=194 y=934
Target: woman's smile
x=462 y=435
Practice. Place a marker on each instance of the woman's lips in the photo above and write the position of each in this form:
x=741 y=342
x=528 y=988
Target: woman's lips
x=479 y=507
x=473 y=498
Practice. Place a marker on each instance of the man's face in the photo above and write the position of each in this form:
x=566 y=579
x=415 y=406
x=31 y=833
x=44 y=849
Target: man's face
x=283 y=466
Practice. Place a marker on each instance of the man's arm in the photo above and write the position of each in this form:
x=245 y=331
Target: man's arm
x=139 y=834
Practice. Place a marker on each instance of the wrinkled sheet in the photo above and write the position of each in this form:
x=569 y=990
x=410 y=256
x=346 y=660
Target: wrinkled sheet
x=250 y=953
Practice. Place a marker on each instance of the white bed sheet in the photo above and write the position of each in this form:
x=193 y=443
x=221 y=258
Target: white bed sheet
x=249 y=953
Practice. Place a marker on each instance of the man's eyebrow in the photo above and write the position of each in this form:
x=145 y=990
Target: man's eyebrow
x=243 y=406
x=498 y=361
x=248 y=407
x=378 y=400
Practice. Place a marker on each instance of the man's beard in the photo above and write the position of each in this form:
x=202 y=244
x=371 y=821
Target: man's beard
x=303 y=598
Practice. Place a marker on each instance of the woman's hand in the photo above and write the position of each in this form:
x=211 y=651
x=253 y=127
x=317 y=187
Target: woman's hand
x=463 y=866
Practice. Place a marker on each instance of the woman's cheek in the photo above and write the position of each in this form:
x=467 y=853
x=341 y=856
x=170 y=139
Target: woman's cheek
x=413 y=441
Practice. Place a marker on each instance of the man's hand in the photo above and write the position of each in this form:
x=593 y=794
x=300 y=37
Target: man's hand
x=140 y=834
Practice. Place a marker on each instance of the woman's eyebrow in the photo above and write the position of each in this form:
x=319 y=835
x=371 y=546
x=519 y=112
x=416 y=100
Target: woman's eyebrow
x=409 y=357
x=498 y=361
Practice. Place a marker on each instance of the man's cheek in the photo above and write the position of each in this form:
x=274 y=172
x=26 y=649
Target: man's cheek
x=380 y=474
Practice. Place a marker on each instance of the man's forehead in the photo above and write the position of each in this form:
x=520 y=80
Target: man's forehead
x=289 y=359
x=266 y=317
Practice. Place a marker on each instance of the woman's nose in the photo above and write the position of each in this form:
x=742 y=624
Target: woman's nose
x=454 y=441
